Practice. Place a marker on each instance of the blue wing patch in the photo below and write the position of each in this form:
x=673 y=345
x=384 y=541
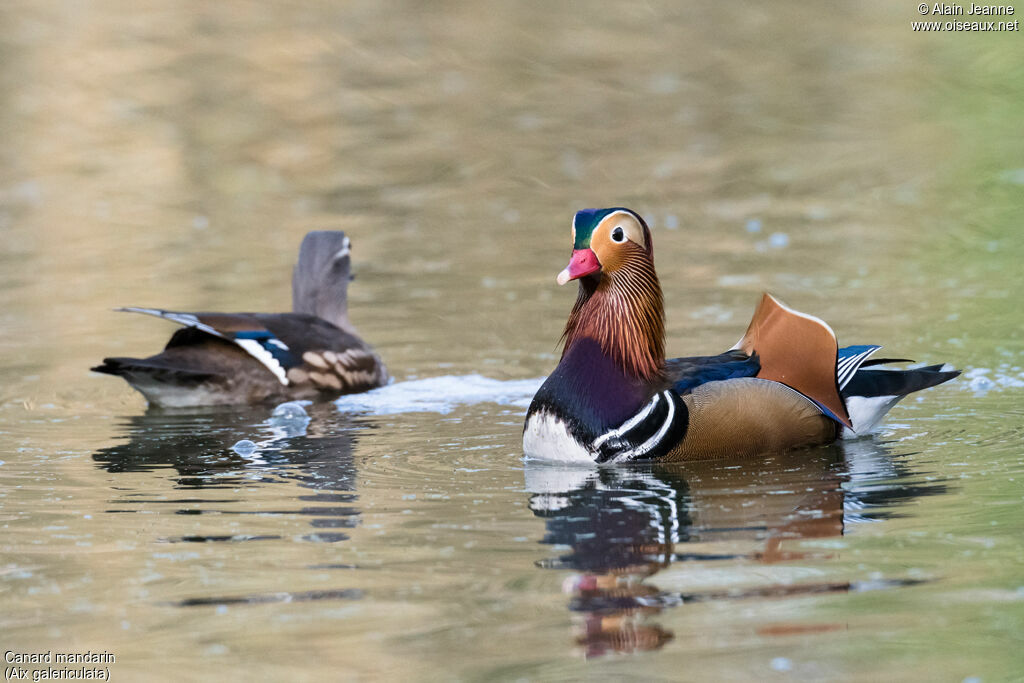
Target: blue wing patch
x=697 y=371
x=277 y=349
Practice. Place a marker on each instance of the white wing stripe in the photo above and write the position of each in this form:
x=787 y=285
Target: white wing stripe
x=853 y=366
x=844 y=367
x=251 y=346
x=186 y=319
x=254 y=349
x=848 y=367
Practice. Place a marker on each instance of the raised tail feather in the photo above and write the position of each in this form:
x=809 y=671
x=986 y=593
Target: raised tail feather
x=798 y=350
x=871 y=393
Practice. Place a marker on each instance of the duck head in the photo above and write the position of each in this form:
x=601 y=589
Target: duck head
x=321 y=276
x=619 y=303
x=606 y=241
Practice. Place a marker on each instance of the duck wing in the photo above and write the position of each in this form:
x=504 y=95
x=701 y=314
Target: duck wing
x=295 y=347
x=800 y=351
x=685 y=374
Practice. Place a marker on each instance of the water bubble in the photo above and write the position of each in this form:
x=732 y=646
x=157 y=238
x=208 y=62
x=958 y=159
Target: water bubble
x=289 y=419
x=244 y=447
x=781 y=664
x=754 y=225
x=292 y=410
x=672 y=221
x=779 y=240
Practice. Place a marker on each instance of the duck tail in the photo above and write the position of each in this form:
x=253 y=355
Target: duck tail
x=133 y=369
x=321 y=276
x=873 y=391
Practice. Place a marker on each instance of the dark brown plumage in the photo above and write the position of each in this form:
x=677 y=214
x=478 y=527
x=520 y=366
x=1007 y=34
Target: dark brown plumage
x=227 y=358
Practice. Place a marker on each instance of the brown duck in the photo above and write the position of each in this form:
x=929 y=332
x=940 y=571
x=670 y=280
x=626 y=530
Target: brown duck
x=615 y=398
x=313 y=352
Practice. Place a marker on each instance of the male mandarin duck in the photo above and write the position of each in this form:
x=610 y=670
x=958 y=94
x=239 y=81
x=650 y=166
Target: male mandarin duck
x=229 y=358
x=615 y=398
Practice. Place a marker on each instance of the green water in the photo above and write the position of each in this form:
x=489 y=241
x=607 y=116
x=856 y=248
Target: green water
x=173 y=155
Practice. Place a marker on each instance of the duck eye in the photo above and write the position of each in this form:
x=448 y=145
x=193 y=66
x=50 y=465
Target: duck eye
x=618 y=235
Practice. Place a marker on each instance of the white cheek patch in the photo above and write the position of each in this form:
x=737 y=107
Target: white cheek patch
x=615 y=216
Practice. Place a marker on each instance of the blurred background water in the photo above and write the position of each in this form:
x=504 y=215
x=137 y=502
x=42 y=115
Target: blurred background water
x=173 y=155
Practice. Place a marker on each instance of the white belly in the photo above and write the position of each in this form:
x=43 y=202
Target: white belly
x=172 y=396
x=546 y=438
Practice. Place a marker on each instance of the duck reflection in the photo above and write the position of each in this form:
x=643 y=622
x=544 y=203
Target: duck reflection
x=207 y=449
x=620 y=526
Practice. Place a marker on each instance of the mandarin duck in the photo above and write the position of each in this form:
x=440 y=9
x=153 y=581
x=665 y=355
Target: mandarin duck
x=313 y=352
x=615 y=398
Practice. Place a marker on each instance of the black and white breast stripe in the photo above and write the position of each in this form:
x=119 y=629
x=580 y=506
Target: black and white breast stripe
x=651 y=433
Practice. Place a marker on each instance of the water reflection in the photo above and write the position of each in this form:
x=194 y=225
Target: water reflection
x=216 y=479
x=621 y=526
x=198 y=444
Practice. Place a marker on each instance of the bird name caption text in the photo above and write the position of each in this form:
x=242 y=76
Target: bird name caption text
x=89 y=665
x=980 y=18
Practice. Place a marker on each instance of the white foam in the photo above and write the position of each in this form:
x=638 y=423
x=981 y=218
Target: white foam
x=983 y=380
x=441 y=395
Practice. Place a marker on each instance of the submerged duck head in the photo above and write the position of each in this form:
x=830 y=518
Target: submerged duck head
x=606 y=241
